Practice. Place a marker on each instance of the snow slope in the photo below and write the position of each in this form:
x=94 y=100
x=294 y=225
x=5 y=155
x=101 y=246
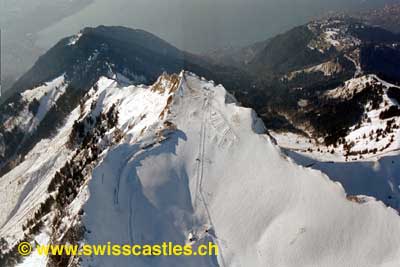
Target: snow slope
x=371 y=165
x=46 y=96
x=189 y=159
x=372 y=137
x=23 y=189
x=379 y=177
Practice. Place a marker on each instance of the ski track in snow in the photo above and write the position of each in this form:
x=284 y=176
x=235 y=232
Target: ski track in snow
x=120 y=173
x=207 y=105
x=244 y=191
x=221 y=124
x=130 y=221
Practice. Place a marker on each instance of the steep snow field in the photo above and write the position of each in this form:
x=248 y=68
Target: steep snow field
x=190 y=159
x=24 y=188
x=373 y=167
x=46 y=96
x=379 y=177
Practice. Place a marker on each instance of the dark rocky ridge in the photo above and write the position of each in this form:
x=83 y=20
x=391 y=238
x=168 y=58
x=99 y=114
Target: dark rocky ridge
x=103 y=51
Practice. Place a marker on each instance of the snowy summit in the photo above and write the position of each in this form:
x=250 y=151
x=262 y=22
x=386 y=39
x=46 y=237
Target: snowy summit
x=171 y=161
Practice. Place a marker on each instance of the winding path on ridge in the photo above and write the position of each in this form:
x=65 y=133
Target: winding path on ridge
x=199 y=194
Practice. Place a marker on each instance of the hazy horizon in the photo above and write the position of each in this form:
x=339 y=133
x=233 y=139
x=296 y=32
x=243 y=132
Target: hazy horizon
x=198 y=26
x=31 y=27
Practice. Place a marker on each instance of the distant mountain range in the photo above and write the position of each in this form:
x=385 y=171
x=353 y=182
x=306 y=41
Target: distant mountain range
x=82 y=59
x=387 y=17
x=285 y=79
x=297 y=70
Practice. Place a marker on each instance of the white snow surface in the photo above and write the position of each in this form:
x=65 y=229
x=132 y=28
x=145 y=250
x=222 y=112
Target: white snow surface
x=74 y=39
x=374 y=174
x=213 y=168
x=363 y=135
x=216 y=171
x=35 y=259
x=328 y=68
x=43 y=90
x=23 y=189
x=46 y=95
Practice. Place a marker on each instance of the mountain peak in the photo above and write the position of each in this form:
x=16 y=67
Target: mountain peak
x=181 y=155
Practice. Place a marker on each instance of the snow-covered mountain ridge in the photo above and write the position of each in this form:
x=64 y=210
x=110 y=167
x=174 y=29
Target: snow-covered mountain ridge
x=366 y=159
x=376 y=134
x=147 y=164
x=295 y=70
x=21 y=119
